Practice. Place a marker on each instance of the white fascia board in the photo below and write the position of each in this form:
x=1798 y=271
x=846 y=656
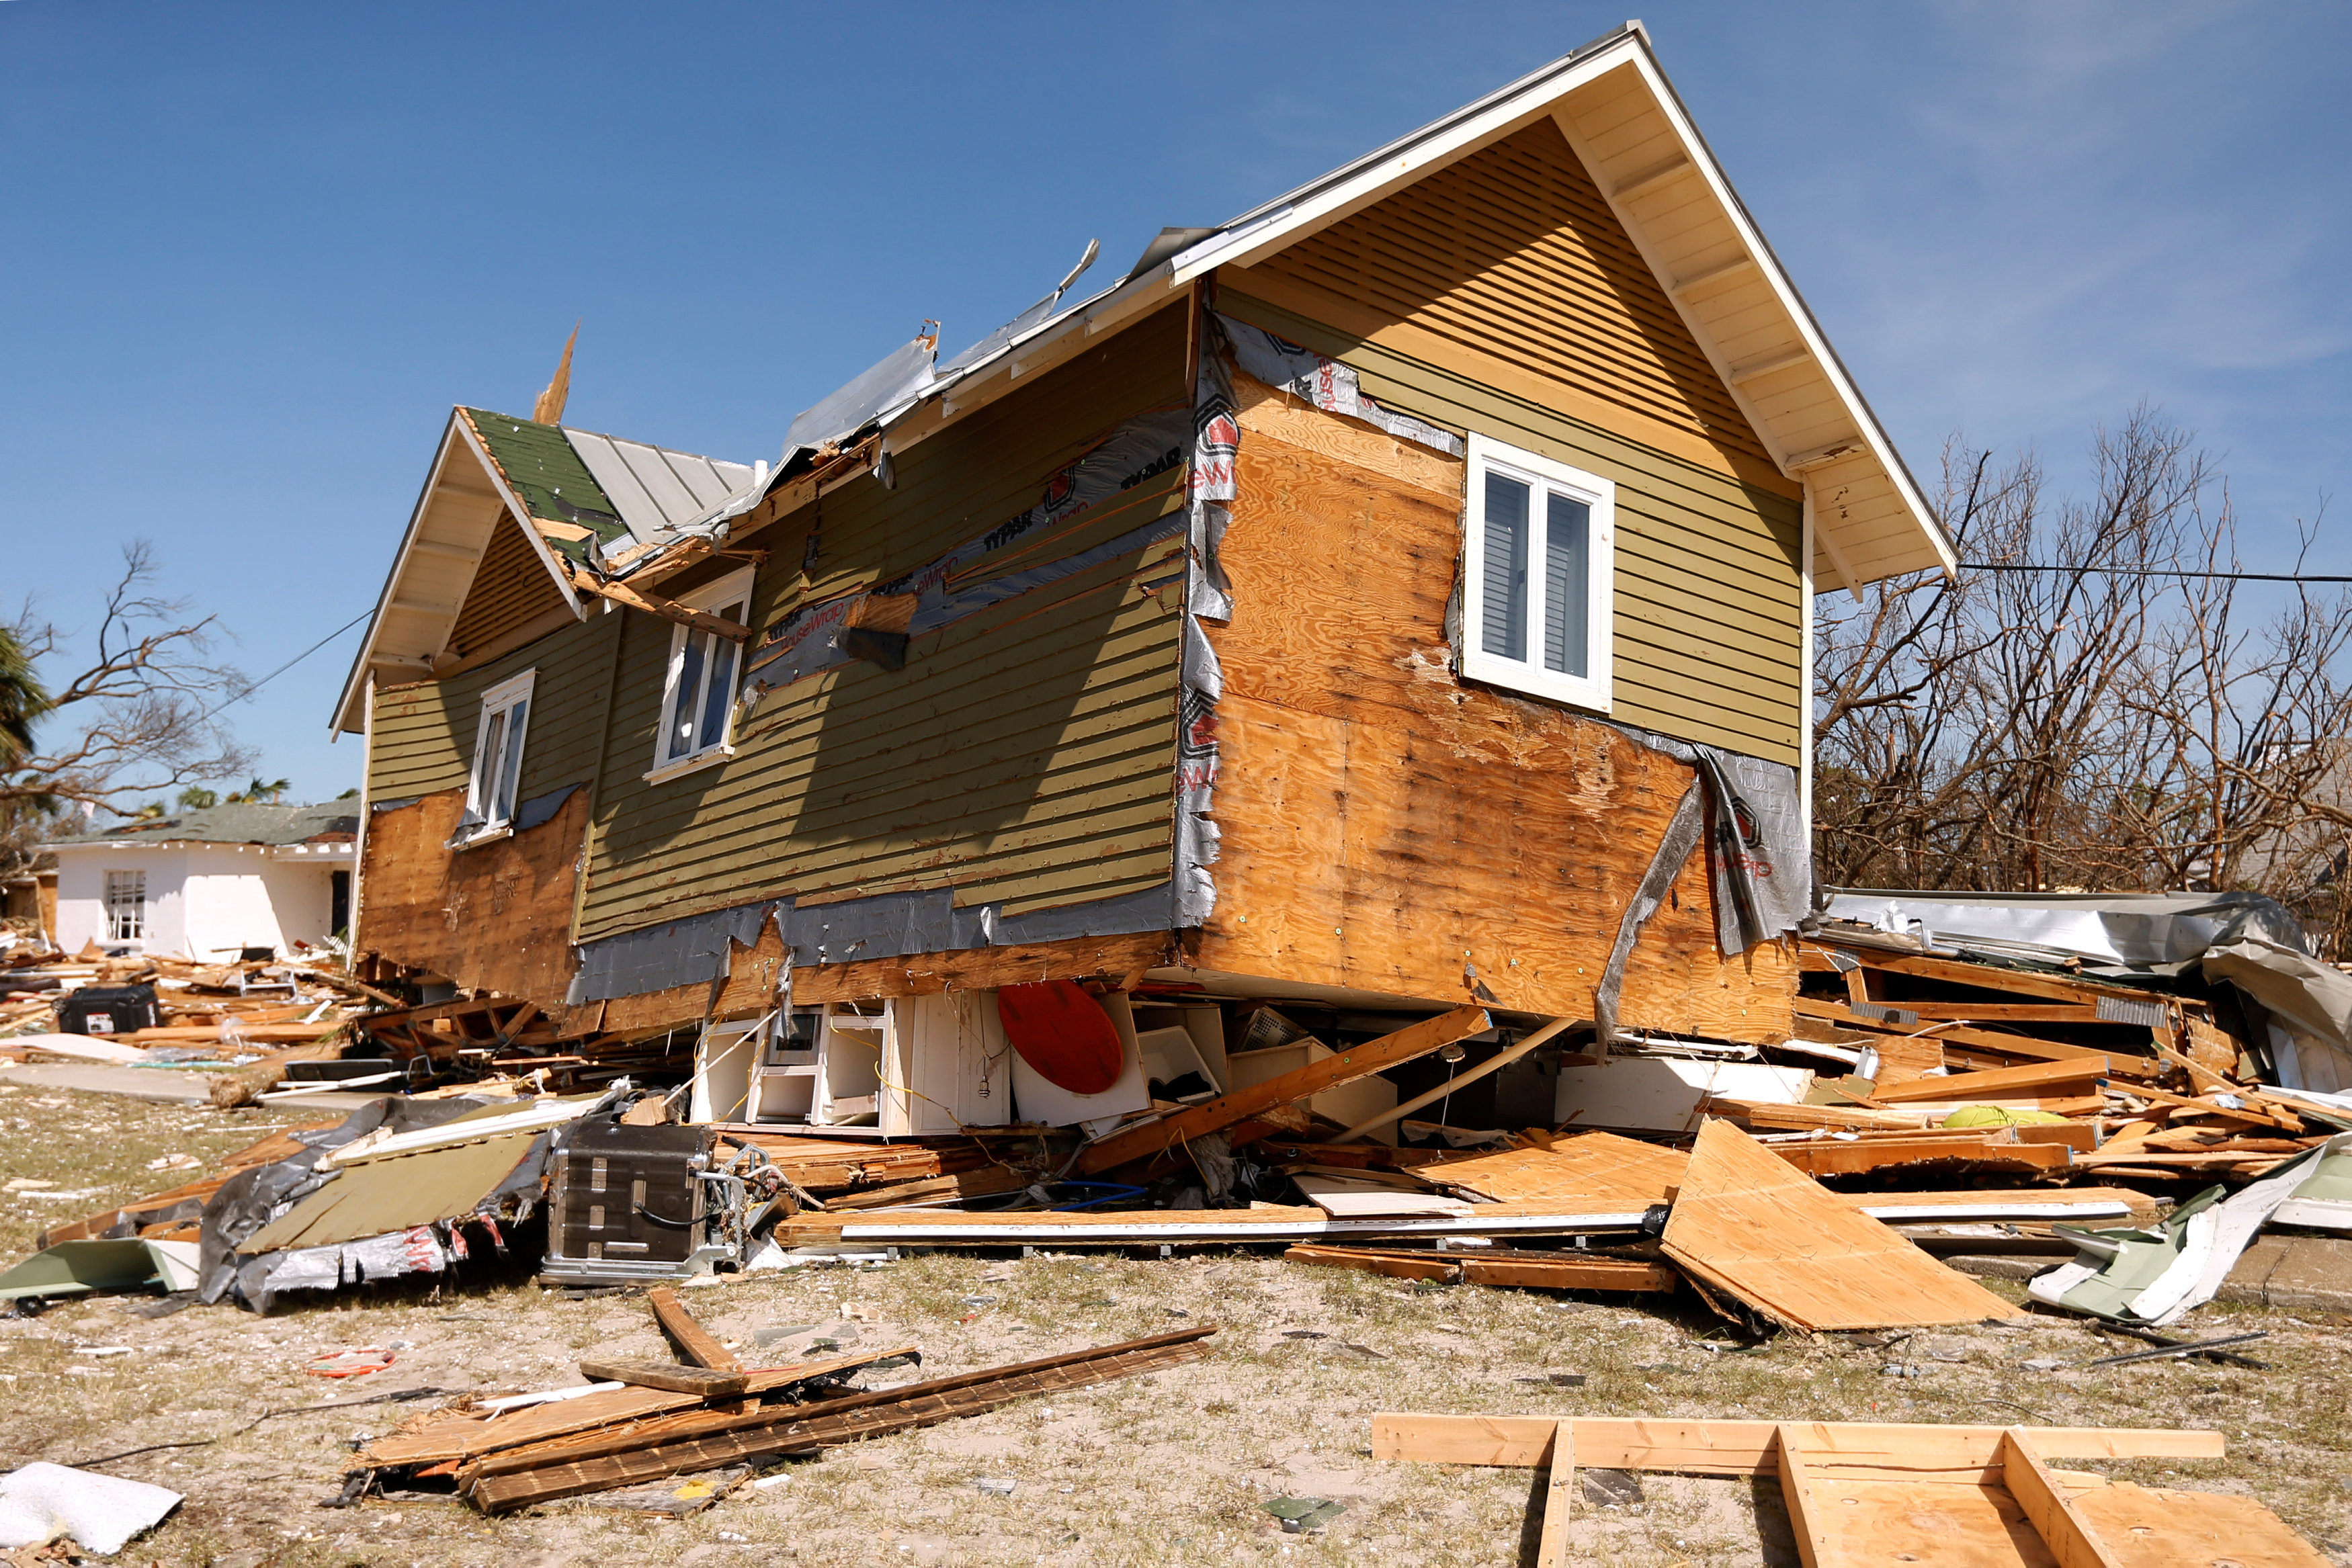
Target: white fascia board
x=521 y=515
x=1410 y=160
x=1768 y=267
x=356 y=680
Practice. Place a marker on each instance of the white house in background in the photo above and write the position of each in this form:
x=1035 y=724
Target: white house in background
x=207 y=884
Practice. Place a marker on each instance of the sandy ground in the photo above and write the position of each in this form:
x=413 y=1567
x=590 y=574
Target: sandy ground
x=1170 y=1468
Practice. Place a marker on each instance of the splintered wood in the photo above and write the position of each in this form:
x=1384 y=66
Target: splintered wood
x=1746 y=1224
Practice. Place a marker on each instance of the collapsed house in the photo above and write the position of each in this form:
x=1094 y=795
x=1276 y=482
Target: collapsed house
x=1371 y=604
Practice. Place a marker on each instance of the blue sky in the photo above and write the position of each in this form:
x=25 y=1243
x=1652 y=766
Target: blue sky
x=254 y=252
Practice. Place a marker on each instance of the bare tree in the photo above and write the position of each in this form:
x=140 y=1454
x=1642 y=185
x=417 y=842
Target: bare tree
x=137 y=720
x=2098 y=719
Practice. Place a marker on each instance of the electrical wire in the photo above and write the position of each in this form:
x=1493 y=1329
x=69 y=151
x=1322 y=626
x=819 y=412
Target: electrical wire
x=255 y=686
x=2154 y=571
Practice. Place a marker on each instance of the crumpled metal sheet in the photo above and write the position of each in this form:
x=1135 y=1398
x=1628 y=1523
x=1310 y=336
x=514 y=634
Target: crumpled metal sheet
x=2138 y=929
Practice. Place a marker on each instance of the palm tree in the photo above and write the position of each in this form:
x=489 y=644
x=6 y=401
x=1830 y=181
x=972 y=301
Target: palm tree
x=23 y=700
x=259 y=793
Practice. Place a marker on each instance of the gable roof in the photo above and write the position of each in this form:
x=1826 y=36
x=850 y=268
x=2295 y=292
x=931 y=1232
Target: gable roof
x=253 y=822
x=1621 y=116
x=571 y=494
x=1613 y=102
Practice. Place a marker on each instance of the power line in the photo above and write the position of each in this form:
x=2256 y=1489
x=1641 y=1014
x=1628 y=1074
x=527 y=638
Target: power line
x=288 y=664
x=2156 y=572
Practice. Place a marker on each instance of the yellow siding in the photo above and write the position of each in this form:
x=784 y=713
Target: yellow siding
x=1024 y=755
x=1512 y=255
x=423 y=733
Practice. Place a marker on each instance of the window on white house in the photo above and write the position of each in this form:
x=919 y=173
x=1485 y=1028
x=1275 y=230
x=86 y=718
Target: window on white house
x=699 y=691
x=497 y=757
x=126 y=906
x=1536 y=588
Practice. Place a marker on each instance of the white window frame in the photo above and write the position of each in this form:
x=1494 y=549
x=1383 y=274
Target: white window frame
x=493 y=786
x=731 y=592
x=119 y=913
x=1544 y=475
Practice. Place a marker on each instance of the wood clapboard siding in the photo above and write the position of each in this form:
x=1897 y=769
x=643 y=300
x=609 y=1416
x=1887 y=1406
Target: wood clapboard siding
x=511 y=588
x=1024 y=755
x=424 y=733
x=1387 y=828
x=1512 y=256
x=1707 y=640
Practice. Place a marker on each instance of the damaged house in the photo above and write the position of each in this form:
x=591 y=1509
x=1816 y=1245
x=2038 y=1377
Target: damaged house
x=1394 y=598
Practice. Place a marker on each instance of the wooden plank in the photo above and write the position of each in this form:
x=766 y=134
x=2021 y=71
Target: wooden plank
x=1827 y=1157
x=1413 y=1040
x=694 y=1341
x=703 y=1382
x=1508 y=1268
x=1779 y=1117
x=1983 y=976
x=2253 y=1113
x=2063 y=1531
x=1964 y=1088
x=1798 y=1496
x=471 y=1433
x=601 y=1462
x=1559 y=1497
x=1749 y=1448
x=1746 y=1224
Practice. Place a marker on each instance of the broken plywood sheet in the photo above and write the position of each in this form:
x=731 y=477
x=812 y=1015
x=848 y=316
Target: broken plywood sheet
x=1617 y=1172
x=1745 y=1223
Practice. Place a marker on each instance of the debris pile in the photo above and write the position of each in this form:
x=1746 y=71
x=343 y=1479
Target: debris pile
x=638 y=1422
x=246 y=1021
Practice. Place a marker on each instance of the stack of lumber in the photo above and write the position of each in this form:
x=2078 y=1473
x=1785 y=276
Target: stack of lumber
x=642 y=1421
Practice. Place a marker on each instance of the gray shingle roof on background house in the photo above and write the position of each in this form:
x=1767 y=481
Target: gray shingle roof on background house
x=255 y=823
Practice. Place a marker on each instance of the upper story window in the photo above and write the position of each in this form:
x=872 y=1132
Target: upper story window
x=1536 y=599
x=498 y=761
x=126 y=907
x=699 y=691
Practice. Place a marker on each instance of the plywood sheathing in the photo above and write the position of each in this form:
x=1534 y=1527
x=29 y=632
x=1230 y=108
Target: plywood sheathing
x=1625 y=1172
x=1749 y=1225
x=495 y=918
x=1386 y=827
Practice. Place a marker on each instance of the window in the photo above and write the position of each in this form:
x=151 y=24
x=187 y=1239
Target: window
x=126 y=906
x=698 y=695
x=1534 y=610
x=498 y=761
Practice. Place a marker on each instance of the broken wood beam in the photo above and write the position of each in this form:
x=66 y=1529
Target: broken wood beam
x=2002 y=1082
x=1550 y=1273
x=702 y=1381
x=1169 y=1132
x=695 y=1343
x=653 y=604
